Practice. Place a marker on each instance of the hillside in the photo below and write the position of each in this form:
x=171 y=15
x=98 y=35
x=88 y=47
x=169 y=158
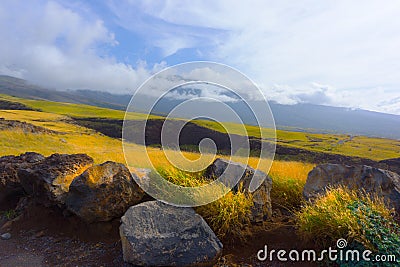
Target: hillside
x=21 y=88
x=300 y=117
x=109 y=122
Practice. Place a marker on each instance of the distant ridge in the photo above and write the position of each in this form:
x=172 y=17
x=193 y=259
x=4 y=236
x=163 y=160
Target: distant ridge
x=21 y=88
x=299 y=117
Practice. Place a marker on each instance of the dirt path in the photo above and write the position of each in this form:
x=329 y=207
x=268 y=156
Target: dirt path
x=13 y=254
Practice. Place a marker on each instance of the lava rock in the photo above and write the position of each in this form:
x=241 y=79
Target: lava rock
x=372 y=180
x=9 y=165
x=158 y=234
x=48 y=180
x=103 y=192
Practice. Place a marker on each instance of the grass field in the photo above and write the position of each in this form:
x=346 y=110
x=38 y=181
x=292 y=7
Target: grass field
x=356 y=146
x=360 y=146
x=227 y=216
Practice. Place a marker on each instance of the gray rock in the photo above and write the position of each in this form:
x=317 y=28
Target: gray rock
x=5 y=236
x=48 y=180
x=9 y=165
x=373 y=180
x=157 y=234
x=103 y=192
x=250 y=181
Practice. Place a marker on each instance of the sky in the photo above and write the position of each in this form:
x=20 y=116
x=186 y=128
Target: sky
x=337 y=53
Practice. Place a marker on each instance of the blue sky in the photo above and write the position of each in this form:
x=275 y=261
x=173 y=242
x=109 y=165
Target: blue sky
x=339 y=53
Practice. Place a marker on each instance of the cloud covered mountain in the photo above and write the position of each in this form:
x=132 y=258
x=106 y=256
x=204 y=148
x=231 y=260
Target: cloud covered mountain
x=317 y=118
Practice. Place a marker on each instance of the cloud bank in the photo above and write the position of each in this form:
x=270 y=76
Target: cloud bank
x=288 y=47
x=341 y=53
x=57 y=47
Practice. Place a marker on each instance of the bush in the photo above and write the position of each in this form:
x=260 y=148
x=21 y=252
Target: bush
x=363 y=220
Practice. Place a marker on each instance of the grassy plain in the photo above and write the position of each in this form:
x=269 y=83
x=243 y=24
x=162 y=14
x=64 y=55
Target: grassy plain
x=227 y=216
x=359 y=146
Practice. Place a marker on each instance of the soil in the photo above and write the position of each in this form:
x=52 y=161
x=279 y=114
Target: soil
x=46 y=237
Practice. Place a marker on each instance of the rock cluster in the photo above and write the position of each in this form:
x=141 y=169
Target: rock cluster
x=154 y=233
x=369 y=179
x=94 y=193
x=48 y=180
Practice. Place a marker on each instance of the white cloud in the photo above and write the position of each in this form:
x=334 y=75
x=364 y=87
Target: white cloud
x=55 y=46
x=350 y=45
x=342 y=53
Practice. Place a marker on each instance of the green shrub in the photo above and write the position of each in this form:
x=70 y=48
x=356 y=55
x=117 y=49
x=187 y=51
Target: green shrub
x=363 y=220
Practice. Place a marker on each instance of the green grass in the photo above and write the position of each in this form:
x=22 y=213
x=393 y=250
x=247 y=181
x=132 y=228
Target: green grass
x=229 y=215
x=362 y=219
x=76 y=110
x=335 y=215
x=329 y=218
x=8 y=214
x=358 y=146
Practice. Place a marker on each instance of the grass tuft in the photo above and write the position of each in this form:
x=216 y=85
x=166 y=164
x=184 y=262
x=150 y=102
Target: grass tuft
x=353 y=215
x=229 y=215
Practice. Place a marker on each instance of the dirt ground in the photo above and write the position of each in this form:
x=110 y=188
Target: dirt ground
x=47 y=237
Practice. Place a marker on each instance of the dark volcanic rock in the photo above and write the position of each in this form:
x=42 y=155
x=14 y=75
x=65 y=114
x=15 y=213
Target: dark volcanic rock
x=48 y=180
x=157 y=234
x=9 y=166
x=9 y=105
x=24 y=126
x=103 y=192
x=373 y=180
x=250 y=181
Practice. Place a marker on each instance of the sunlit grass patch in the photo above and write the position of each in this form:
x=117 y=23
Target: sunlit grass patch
x=349 y=214
x=229 y=215
x=288 y=180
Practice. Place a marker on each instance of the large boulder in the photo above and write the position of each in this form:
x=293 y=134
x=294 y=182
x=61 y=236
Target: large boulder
x=9 y=166
x=253 y=182
x=373 y=180
x=103 y=192
x=48 y=180
x=157 y=234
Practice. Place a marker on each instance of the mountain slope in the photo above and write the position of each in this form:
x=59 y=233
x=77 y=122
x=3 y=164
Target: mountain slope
x=299 y=117
x=21 y=88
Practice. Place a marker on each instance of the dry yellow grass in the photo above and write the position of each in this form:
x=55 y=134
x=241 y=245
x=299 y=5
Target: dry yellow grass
x=344 y=213
x=227 y=216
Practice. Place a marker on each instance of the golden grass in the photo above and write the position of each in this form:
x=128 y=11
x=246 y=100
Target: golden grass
x=288 y=180
x=229 y=215
x=330 y=217
x=360 y=146
x=54 y=122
